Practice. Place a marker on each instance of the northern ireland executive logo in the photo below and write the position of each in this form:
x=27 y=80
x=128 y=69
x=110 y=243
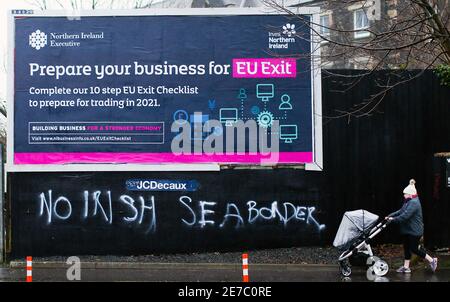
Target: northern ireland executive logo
x=38 y=39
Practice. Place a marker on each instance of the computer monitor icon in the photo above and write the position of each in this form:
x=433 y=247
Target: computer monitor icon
x=228 y=116
x=265 y=92
x=288 y=133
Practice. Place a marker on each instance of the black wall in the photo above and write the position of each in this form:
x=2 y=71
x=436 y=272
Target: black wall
x=369 y=160
x=367 y=163
x=73 y=230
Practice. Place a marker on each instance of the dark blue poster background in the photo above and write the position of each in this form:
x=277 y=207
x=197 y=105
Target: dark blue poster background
x=43 y=130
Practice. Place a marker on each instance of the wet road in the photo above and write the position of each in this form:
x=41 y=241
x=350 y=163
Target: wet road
x=216 y=272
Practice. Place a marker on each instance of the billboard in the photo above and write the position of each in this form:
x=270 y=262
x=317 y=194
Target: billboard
x=198 y=86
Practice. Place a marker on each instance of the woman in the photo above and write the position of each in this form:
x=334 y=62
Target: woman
x=409 y=217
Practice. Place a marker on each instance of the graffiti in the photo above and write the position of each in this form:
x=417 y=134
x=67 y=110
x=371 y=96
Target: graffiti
x=188 y=199
x=51 y=211
x=299 y=213
x=229 y=215
x=136 y=213
x=129 y=201
x=202 y=214
x=52 y=208
x=205 y=212
x=97 y=203
x=283 y=213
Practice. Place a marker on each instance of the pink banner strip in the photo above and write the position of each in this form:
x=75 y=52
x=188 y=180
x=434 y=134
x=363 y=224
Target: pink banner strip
x=156 y=158
x=264 y=68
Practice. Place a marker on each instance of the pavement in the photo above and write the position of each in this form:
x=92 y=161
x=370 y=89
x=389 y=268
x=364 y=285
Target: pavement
x=215 y=272
x=276 y=265
x=181 y=272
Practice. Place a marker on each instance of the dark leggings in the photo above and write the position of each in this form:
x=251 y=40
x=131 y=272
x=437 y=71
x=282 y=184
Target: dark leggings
x=411 y=244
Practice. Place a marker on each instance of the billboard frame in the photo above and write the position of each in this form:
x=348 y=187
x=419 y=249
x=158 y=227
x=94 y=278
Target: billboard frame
x=316 y=165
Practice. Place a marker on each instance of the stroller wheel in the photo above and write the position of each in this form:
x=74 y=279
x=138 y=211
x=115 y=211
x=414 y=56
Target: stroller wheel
x=371 y=260
x=346 y=270
x=380 y=268
x=370 y=274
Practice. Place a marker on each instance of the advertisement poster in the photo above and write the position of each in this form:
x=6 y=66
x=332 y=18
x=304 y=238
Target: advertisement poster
x=158 y=89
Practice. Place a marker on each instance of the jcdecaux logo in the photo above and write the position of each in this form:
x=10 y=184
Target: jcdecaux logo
x=161 y=185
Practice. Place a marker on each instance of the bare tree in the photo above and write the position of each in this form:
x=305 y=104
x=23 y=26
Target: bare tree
x=3 y=107
x=414 y=36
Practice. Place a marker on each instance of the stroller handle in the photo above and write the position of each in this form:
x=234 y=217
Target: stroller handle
x=386 y=220
x=381 y=225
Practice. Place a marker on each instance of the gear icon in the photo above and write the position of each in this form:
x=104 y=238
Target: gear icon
x=265 y=119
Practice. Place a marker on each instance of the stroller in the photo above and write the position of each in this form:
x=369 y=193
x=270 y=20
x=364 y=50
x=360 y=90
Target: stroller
x=355 y=232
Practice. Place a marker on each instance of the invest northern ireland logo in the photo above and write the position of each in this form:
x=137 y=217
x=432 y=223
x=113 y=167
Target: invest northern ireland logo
x=289 y=29
x=284 y=38
x=38 y=39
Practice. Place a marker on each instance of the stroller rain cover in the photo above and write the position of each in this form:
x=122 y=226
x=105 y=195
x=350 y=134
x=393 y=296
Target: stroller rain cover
x=353 y=224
